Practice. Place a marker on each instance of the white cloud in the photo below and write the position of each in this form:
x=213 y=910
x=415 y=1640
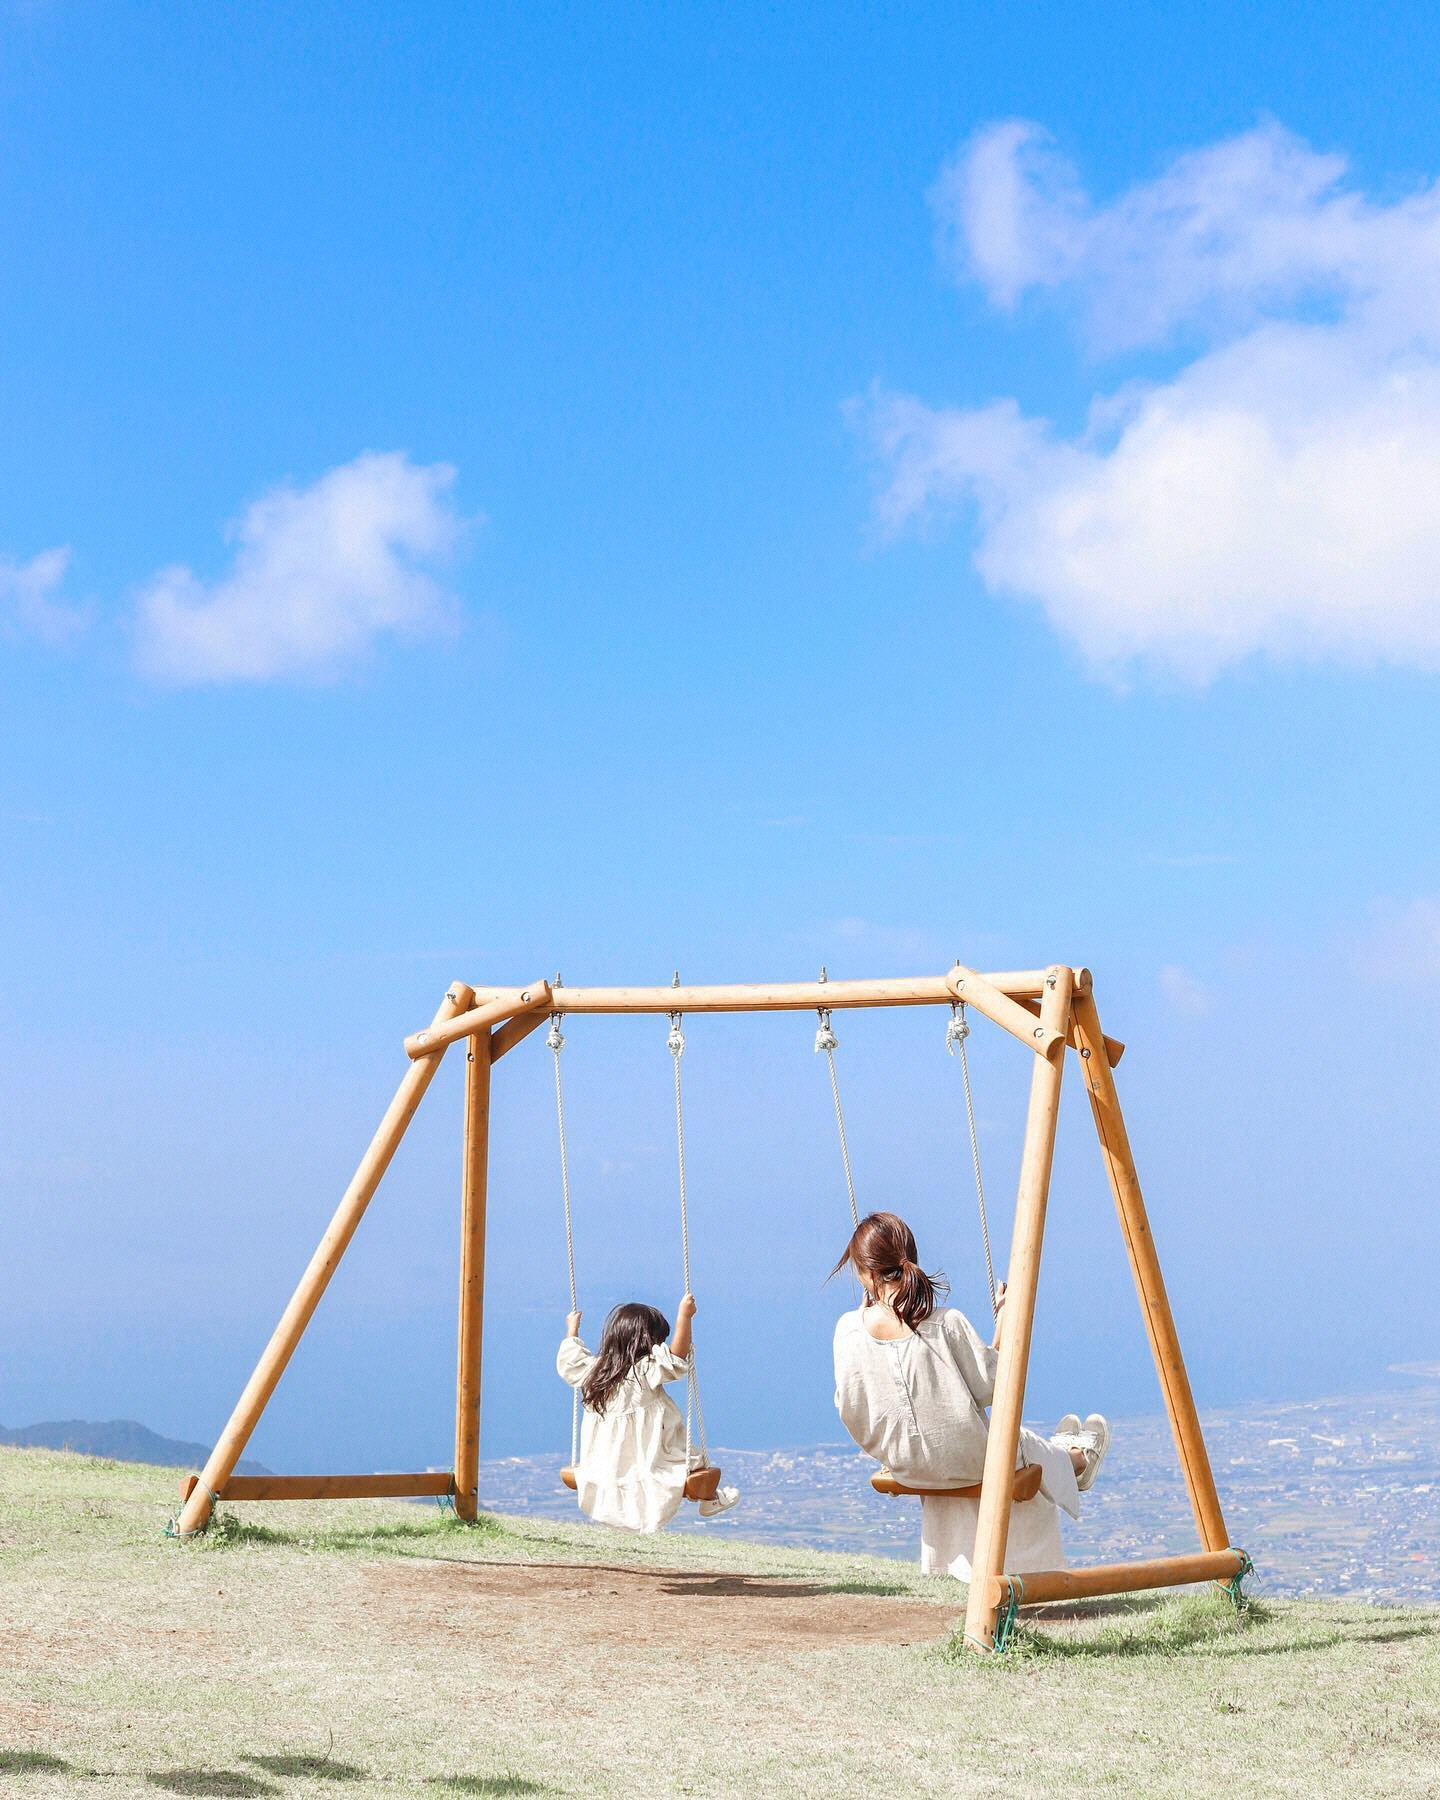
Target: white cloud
x=1185 y=992
x=29 y=597
x=319 y=575
x=1277 y=495
x=1401 y=945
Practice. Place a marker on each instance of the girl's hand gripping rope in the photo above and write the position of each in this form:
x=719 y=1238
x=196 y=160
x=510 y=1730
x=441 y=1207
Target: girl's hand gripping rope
x=681 y=1340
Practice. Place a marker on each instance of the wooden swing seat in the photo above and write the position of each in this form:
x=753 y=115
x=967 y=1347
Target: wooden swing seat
x=700 y=1484
x=1025 y=1486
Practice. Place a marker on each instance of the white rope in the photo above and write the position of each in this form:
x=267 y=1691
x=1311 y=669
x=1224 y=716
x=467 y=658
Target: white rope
x=675 y=1043
x=956 y=1033
x=556 y=1042
x=826 y=1040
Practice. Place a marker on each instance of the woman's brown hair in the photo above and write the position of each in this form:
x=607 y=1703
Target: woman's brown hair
x=631 y=1332
x=881 y=1251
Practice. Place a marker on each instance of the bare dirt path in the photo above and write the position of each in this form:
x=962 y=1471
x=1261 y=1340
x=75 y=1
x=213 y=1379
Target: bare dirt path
x=538 y=1603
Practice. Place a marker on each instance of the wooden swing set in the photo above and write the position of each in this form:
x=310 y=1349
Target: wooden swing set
x=1048 y=1010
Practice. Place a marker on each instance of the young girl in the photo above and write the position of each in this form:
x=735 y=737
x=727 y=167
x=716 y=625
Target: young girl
x=912 y=1381
x=632 y=1437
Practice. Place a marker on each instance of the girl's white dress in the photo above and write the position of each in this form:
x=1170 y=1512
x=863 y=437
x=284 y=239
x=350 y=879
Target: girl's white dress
x=917 y=1404
x=632 y=1456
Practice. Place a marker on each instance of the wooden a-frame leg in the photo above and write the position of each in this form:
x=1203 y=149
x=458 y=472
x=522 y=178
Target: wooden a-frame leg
x=323 y=1264
x=993 y=1524
x=1149 y=1283
x=472 y=1275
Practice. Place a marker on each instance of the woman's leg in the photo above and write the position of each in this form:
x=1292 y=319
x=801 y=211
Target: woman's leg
x=947 y=1535
x=1057 y=1470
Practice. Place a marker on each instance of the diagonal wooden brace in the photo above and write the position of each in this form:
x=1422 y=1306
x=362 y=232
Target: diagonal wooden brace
x=1038 y=1033
x=478 y=1019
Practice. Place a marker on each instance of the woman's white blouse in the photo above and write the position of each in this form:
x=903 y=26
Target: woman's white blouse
x=917 y=1404
x=632 y=1456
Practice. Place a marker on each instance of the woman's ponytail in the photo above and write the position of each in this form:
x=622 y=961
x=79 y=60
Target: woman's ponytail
x=914 y=1299
x=882 y=1252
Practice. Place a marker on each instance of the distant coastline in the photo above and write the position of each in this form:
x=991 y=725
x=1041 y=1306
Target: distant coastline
x=121 y=1440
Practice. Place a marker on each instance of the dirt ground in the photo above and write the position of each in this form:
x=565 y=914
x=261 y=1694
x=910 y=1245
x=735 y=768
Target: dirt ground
x=539 y=1603
x=374 y=1648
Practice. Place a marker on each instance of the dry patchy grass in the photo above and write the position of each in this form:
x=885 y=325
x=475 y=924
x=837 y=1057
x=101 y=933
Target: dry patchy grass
x=369 y=1648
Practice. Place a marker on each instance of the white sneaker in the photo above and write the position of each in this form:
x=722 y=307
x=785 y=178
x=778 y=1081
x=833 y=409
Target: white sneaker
x=725 y=1498
x=1093 y=1439
x=1068 y=1428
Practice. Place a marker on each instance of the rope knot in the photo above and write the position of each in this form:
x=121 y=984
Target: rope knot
x=675 y=1043
x=958 y=1029
x=555 y=1038
x=1005 y=1624
x=825 y=1038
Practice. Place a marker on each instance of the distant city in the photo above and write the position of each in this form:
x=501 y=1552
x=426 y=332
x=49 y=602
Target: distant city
x=1333 y=1497
x=1330 y=1497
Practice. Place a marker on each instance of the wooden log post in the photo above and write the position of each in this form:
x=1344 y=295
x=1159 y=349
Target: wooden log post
x=474 y=1165
x=1149 y=1283
x=993 y=1523
x=1114 y=1049
x=323 y=1264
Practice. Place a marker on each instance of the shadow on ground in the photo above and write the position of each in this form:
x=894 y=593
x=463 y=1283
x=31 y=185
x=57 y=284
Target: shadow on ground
x=1171 y=1625
x=228 y=1530
x=31 y=1762
x=487 y=1784
x=229 y=1782
x=318 y=1768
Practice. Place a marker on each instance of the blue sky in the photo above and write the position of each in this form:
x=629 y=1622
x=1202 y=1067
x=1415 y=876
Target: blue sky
x=490 y=490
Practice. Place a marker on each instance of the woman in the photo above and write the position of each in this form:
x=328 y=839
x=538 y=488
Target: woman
x=912 y=1381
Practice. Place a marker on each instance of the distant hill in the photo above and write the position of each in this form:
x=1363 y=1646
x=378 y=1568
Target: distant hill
x=123 y=1440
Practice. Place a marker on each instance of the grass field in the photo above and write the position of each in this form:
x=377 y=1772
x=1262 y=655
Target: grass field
x=372 y=1648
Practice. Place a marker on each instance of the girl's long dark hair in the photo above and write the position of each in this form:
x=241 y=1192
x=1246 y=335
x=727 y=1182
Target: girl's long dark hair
x=882 y=1250
x=631 y=1332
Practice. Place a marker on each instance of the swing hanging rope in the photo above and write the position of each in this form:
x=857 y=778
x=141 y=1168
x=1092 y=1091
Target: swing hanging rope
x=956 y=1032
x=675 y=1043
x=826 y=1040
x=555 y=1042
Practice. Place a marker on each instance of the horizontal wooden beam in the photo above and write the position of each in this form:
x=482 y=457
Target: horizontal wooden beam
x=330 y=1487
x=490 y=1011
x=784 y=996
x=1118 y=1578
